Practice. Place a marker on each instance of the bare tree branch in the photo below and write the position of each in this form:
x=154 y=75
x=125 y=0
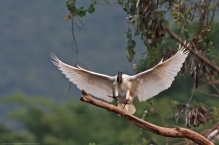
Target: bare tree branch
x=176 y=132
x=210 y=95
x=213 y=82
x=177 y=38
x=215 y=88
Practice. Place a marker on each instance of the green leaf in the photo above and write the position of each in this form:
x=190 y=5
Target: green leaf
x=128 y=34
x=130 y=49
x=81 y=12
x=91 y=8
x=71 y=6
x=131 y=43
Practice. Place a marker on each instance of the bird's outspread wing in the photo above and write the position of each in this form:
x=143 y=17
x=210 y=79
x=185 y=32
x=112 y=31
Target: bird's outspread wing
x=151 y=82
x=96 y=84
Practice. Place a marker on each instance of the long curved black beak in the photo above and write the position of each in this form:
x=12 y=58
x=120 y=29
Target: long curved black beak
x=119 y=77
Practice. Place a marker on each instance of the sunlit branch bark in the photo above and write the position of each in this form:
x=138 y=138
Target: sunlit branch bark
x=176 y=132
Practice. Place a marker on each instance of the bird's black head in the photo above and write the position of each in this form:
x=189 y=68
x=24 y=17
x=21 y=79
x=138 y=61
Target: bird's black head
x=119 y=77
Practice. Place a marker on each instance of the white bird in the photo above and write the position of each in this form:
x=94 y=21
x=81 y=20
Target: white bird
x=124 y=87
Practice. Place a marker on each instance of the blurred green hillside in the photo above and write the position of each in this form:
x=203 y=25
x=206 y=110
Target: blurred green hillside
x=43 y=121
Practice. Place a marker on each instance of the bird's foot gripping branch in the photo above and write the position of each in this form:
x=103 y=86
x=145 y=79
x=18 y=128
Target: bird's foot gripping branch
x=176 y=132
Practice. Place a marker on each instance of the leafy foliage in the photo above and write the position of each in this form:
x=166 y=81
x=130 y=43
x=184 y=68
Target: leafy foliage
x=81 y=12
x=130 y=46
x=9 y=136
x=194 y=21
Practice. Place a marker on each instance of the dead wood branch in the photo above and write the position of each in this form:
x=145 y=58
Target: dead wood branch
x=172 y=34
x=176 y=132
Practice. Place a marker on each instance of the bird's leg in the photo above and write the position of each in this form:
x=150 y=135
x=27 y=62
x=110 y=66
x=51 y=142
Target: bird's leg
x=126 y=102
x=114 y=97
x=127 y=98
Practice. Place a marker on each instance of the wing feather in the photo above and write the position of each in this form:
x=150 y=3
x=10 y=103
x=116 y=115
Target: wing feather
x=151 y=82
x=96 y=84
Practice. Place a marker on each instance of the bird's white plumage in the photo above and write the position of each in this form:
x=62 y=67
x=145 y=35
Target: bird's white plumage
x=151 y=82
x=143 y=85
x=96 y=84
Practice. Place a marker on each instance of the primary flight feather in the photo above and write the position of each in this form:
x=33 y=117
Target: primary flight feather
x=124 y=87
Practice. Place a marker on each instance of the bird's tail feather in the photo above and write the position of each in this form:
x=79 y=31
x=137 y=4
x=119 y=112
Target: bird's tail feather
x=130 y=108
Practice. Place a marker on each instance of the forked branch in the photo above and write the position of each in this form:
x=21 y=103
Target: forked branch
x=176 y=132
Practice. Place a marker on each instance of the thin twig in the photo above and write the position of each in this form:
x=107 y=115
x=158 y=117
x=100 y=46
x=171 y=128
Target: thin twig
x=74 y=41
x=210 y=95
